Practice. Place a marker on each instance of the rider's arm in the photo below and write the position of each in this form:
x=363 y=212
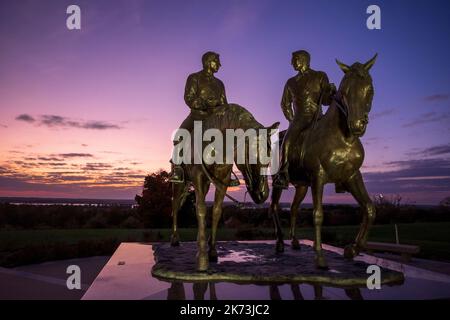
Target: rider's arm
x=328 y=90
x=223 y=97
x=286 y=103
x=191 y=96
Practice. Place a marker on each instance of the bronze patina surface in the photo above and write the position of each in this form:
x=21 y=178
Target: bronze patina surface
x=301 y=103
x=202 y=93
x=205 y=96
x=331 y=152
x=258 y=264
x=202 y=176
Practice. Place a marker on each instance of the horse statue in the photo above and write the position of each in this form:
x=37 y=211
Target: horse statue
x=332 y=153
x=201 y=176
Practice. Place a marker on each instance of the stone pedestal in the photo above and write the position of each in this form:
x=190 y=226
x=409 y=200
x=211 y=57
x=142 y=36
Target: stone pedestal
x=257 y=263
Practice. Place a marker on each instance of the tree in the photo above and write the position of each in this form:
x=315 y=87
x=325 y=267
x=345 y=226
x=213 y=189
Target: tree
x=154 y=206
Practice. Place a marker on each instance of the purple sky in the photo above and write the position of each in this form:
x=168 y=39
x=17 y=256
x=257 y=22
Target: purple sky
x=88 y=113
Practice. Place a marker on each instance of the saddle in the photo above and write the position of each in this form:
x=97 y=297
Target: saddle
x=339 y=187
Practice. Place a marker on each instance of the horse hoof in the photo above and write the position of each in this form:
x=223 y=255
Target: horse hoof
x=321 y=263
x=202 y=263
x=350 y=251
x=279 y=247
x=174 y=241
x=213 y=256
x=295 y=244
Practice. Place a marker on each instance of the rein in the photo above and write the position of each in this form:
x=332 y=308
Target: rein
x=342 y=107
x=216 y=182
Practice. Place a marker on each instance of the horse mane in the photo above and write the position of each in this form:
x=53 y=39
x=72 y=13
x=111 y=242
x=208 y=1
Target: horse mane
x=231 y=116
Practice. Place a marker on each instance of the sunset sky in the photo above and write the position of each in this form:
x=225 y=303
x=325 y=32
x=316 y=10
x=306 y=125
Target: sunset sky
x=88 y=113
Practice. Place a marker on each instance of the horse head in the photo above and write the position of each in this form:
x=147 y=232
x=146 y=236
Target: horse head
x=254 y=168
x=355 y=95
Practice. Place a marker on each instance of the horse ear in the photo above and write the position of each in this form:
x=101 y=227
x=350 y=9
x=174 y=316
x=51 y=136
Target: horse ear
x=273 y=127
x=343 y=66
x=371 y=62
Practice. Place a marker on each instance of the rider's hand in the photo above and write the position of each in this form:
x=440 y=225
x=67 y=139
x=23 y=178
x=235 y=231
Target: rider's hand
x=332 y=89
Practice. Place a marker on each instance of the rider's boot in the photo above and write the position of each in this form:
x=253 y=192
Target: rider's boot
x=177 y=174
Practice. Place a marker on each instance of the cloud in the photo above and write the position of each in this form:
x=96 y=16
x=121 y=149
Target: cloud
x=428 y=117
x=122 y=169
x=437 y=97
x=97 y=166
x=49 y=159
x=418 y=175
x=53 y=164
x=3 y=126
x=98 y=125
x=67 y=178
x=26 y=118
x=433 y=151
x=16 y=186
x=75 y=155
x=3 y=170
x=58 y=121
x=55 y=121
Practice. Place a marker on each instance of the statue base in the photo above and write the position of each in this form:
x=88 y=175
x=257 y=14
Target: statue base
x=257 y=263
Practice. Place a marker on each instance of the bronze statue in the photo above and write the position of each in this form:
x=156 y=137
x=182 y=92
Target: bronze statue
x=333 y=153
x=203 y=92
x=301 y=103
x=223 y=117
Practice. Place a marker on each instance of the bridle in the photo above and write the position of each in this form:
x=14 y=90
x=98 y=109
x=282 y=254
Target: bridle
x=340 y=104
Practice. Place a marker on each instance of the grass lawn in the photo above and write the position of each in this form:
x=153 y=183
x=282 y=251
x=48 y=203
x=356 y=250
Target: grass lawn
x=433 y=238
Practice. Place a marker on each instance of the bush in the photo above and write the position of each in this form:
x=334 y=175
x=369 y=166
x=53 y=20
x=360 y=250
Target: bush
x=131 y=223
x=98 y=221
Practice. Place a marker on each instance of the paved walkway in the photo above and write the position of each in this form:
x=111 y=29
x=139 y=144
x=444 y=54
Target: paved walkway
x=48 y=280
x=431 y=265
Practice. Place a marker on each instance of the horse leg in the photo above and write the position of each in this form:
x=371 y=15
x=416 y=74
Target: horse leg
x=358 y=190
x=317 y=193
x=274 y=292
x=178 y=197
x=273 y=211
x=300 y=193
x=295 y=288
x=200 y=194
x=217 y=213
x=199 y=289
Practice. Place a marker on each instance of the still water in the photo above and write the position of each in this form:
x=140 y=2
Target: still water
x=254 y=257
x=411 y=289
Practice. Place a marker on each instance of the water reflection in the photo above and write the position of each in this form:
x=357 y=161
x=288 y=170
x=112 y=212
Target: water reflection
x=200 y=289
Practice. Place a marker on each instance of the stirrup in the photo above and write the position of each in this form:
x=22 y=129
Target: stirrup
x=177 y=178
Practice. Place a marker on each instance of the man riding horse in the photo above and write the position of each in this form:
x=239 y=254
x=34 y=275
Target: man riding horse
x=203 y=93
x=306 y=92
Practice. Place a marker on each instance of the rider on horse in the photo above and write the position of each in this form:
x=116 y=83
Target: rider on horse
x=301 y=103
x=203 y=93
